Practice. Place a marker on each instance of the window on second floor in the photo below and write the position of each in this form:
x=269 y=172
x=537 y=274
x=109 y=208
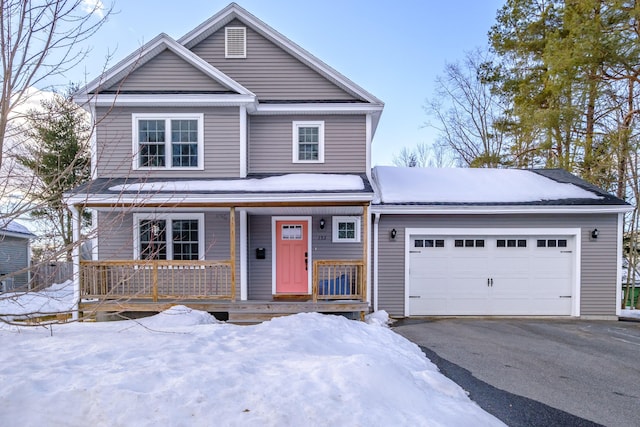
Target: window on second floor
x=308 y=142
x=168 y=141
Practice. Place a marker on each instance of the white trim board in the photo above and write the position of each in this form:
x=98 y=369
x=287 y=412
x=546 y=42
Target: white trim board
x=574 y=232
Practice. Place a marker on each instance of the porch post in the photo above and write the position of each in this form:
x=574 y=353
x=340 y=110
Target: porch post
x=75 y=256
x=365 y=251
x=232 y=250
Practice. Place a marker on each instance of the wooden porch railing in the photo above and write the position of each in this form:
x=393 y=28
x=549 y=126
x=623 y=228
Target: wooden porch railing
x=157 y=279
x=334 y=280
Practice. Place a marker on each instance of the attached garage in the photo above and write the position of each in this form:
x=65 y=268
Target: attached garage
x=494 y=242
x=491 y=272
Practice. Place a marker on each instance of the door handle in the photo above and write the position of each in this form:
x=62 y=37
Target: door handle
x=492 y=282
x=306 y=261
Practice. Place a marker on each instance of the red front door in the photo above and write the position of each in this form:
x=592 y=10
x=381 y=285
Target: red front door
x=292 y=258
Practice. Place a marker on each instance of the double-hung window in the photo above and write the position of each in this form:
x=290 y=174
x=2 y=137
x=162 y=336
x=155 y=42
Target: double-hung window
x=346 y=229
x=308 y=142
x=169 y=236
x=172 y=141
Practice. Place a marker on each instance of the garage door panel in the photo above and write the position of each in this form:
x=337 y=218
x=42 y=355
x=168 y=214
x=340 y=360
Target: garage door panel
x=506 y=275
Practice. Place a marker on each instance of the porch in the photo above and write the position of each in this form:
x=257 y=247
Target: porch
x=338 y=286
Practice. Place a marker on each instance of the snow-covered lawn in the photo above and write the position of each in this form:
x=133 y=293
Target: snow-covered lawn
x=184 y=368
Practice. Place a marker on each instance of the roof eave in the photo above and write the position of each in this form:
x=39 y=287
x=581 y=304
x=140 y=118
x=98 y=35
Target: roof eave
x=497 y=209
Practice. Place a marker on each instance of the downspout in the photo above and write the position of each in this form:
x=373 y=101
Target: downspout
x=376 y=220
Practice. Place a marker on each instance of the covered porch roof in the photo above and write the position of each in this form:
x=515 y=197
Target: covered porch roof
x=257 y=191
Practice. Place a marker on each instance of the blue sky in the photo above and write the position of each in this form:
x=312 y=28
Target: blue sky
x=393 y=49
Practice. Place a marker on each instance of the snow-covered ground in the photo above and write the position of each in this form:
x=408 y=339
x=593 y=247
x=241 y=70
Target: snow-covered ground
x=182 y=367
x=57 y=298
x=630 y=313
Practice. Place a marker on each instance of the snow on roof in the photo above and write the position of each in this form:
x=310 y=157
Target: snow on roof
x=467 y=185
x=291 y=182
x=14 y=227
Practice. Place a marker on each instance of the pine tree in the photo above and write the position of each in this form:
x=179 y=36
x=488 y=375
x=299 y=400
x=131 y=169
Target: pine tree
x=59 y=160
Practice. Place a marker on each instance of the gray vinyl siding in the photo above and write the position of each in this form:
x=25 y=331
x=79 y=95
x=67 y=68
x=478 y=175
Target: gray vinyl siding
x=597 y=264
x=167 y=72
x=221 y=143
x=271 y=145
x=268 y=71
x=260 y=233
x=14 y=256
x=115 y=238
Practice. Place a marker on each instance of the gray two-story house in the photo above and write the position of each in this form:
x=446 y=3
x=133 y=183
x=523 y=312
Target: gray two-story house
x=232 y=172
x=229 y=165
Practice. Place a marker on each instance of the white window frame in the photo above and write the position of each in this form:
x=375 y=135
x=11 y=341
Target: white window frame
x=136 y=117
x=169 y=217
x=226 y=42
x=336 y=220
x=296 y=145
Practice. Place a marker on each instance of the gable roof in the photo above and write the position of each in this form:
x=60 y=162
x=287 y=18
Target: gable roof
x=467 y=187
x=233 y=11
x=14 y=229
x=149 y=51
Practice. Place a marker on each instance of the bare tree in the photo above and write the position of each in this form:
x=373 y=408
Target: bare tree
x=41 y=39
x=468 y=115
x=424 y=156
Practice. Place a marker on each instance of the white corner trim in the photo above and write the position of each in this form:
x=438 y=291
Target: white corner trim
x=619 y=249
x=93 y=142
x=243 y=141
x=368 y=142
x=75 y=254
x=375 y=261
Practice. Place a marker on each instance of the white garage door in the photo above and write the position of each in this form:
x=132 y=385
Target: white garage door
x=491 y=275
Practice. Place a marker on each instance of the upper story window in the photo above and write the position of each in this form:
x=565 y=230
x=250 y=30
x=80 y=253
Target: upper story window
x=169 y=236
x=168 y=141
x=235 y=42
x=308 y=142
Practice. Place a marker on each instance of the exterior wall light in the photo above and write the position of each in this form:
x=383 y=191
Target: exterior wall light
x=393 y=233
x=595 y=233
x=322 y=222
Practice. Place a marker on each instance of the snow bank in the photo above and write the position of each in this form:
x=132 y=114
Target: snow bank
x=58 y=298
x=182 y=367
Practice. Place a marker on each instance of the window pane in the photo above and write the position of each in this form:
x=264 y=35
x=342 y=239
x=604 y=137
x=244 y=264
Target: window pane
x=562 y=243
x=419 y=243
x=468 y=243
x=308 y=143
x=185 y=239
x=439 y=243
x=151 y=155
x=458 y=243
x=542 y=243
x=428 y=243
x=151 y=131
x=522 y=243
x=511 y=243
x=501 y=243
x=153 y=239
x=184 y=141
x=347 y=230
x=479 y=243
x=551 y=243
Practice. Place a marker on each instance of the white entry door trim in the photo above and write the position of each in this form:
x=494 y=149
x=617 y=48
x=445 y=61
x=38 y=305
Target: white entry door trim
x=575 y=232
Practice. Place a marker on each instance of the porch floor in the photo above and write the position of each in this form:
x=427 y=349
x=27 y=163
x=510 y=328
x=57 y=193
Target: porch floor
x=240 y=312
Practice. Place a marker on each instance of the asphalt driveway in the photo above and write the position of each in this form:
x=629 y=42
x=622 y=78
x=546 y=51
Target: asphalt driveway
x=539 y=372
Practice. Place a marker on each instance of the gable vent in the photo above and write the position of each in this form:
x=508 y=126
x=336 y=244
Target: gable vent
x=235 y=45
